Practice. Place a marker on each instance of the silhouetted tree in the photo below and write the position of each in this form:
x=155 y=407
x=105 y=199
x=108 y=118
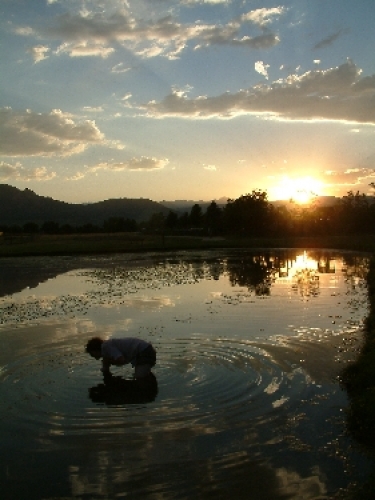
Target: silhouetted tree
x=156 y=224
x=281 y=223
x=119 y=224
x=248 y=215
x=51 y=227
x=171 y=221
x=352 y=213
x=213 y=219
x=196 y=216
x=30 y=227
x=184 y=221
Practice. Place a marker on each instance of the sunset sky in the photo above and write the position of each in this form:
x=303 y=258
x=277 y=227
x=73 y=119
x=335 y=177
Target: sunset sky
x=190 y=99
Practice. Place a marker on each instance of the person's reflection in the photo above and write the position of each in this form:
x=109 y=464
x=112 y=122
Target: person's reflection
x=116 y=390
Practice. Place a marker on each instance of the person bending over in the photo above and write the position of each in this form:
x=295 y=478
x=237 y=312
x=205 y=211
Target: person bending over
x=122 y=351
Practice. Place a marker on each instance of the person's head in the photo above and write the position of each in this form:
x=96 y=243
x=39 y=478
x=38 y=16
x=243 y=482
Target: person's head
x=94 y=347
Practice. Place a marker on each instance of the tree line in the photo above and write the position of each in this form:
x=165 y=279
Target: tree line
x=110 y=225
x=250 y=215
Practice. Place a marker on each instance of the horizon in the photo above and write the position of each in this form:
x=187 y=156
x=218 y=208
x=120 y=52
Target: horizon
x=220 y=200
x=187 y=99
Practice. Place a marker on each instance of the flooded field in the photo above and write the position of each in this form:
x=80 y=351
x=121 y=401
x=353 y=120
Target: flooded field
x=246 y=404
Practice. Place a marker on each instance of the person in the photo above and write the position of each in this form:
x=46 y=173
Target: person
x=121 y=351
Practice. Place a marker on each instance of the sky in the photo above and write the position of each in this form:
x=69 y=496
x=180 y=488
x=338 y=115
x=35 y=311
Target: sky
x=187 y=100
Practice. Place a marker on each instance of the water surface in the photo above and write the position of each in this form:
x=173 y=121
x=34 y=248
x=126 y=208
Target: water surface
x=247 y=401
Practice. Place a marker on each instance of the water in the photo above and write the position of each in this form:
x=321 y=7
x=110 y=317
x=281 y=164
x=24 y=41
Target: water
x=247 y=401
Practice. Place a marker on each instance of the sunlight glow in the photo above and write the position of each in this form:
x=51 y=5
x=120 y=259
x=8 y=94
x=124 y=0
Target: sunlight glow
x=301 y=190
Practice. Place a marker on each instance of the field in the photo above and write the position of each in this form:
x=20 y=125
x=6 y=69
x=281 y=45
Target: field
x=81 y=244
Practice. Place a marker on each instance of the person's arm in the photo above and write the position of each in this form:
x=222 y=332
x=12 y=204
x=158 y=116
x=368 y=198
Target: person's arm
x=107 y=362
x=118 y=361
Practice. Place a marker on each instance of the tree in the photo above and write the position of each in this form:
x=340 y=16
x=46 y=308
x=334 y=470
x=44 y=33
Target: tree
x=172 y=220
x=248 y=215
x=213 y=219
x=118 y=225
x=51 y=227
x=184 y=221
x=30 y=227
x=353 y=213
x=196 y=216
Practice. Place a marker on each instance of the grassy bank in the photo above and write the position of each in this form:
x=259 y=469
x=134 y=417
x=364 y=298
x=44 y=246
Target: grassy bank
x=359 y=381
x=21 y=246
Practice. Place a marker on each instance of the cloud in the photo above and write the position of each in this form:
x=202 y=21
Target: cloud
x=120 y=68
x=211 y=168
x=262 y=68
x=329 y=40
x=41 y=134
x=332 y=94
x=93 y=34
x=210 y=2
x=16 y=172
x=143 y=163
x=218 y=36
x=263 y=16
x=350 y=177
x=76 y=177
x=38 y=53
x=89 y=109
x=24 y=31
x=85 y=49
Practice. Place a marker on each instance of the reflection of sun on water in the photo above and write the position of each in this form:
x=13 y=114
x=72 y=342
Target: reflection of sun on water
x=303 y=264
x=303 y=261
x=302 y=190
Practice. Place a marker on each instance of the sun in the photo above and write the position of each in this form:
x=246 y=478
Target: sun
x=301 y=190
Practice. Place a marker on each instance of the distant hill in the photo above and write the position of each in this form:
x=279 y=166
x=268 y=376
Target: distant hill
x=18 y=207
x=181 y=206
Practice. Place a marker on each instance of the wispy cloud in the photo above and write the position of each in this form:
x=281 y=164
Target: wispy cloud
x=85 y=49
x=332 y=94
x=120 y=68
x=16 y=172
x=350 y=177
x=89 y=109
x=39 y=53
x=95 y=34
x=210 y=168
x=203 y=2
x=329 y=40
x=143 y=163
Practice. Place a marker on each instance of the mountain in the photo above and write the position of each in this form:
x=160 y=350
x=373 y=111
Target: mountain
x=182 y=206
x=19 y=207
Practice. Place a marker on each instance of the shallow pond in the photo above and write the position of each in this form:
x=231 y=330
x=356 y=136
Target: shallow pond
x=247 y=402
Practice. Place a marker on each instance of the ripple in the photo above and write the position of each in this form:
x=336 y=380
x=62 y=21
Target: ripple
x=202 y=384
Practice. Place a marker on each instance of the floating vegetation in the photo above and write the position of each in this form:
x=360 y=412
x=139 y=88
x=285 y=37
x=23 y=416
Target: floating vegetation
x=246 y=388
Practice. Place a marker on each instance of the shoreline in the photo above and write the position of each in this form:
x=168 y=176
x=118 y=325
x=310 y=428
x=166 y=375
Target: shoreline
x=110 y=243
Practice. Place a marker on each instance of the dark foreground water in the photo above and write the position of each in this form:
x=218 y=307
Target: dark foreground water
x=246 y=402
